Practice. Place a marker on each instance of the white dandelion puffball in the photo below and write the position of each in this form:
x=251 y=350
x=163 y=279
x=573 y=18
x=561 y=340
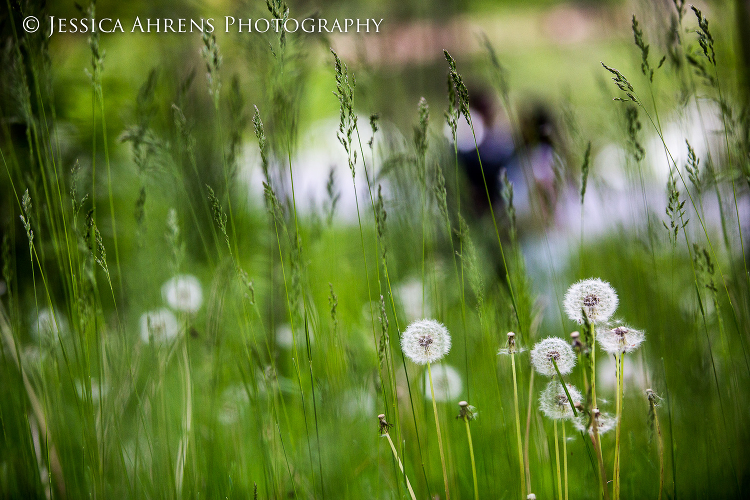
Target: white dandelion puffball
x=554 y=403
x=159 y=326
x=553 y=349
x=620 y=339
x=446 y=382
x=183 y=293
x=425 y=341
x=594 y=296
x=606 y=423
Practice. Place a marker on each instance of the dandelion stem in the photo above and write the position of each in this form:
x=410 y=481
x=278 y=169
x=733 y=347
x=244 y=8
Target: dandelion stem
x=598 y=446
x=618 y=406
x=440 y=439
x=521 y=462
x=400 y=466
x=565 y=459
x=660 y=444
x=473 y=463
x=526 y=437
x=565 y=388
x=593 y=365
x=557 y=462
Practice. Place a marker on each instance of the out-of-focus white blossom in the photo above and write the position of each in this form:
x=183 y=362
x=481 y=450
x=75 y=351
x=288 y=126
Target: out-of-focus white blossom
x=446 y=381
x=159 y=326
x=183 y=293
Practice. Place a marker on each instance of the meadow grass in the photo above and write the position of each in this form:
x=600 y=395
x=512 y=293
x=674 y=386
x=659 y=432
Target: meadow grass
x=163 y=334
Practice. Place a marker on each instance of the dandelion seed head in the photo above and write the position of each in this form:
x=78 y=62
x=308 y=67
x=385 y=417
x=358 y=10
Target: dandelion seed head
x=554 y=403
x=553 y=349
x=383 y=425
x=425 y=341
x=507 y=351
x=159 y=326
x=653 y=398
x=606 y=422
x=594 y=296
x=511 y=347
x=620 y=339
x=183 y=293
x=446 y=381
x=467 y=411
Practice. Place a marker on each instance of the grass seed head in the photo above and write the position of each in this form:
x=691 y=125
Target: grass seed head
x=212 y=58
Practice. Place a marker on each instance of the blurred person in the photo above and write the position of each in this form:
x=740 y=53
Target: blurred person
x=536 y=172
x=494 y=142
x=530 y=164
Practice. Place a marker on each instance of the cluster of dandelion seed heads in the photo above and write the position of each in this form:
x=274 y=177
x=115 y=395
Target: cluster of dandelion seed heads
x=551 y=351
x=425 y=341
x=620 y=339
x=554 y=402
x=593 y=296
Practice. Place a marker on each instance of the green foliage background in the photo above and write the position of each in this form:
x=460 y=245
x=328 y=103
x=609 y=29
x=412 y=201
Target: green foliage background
x=110 y=135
